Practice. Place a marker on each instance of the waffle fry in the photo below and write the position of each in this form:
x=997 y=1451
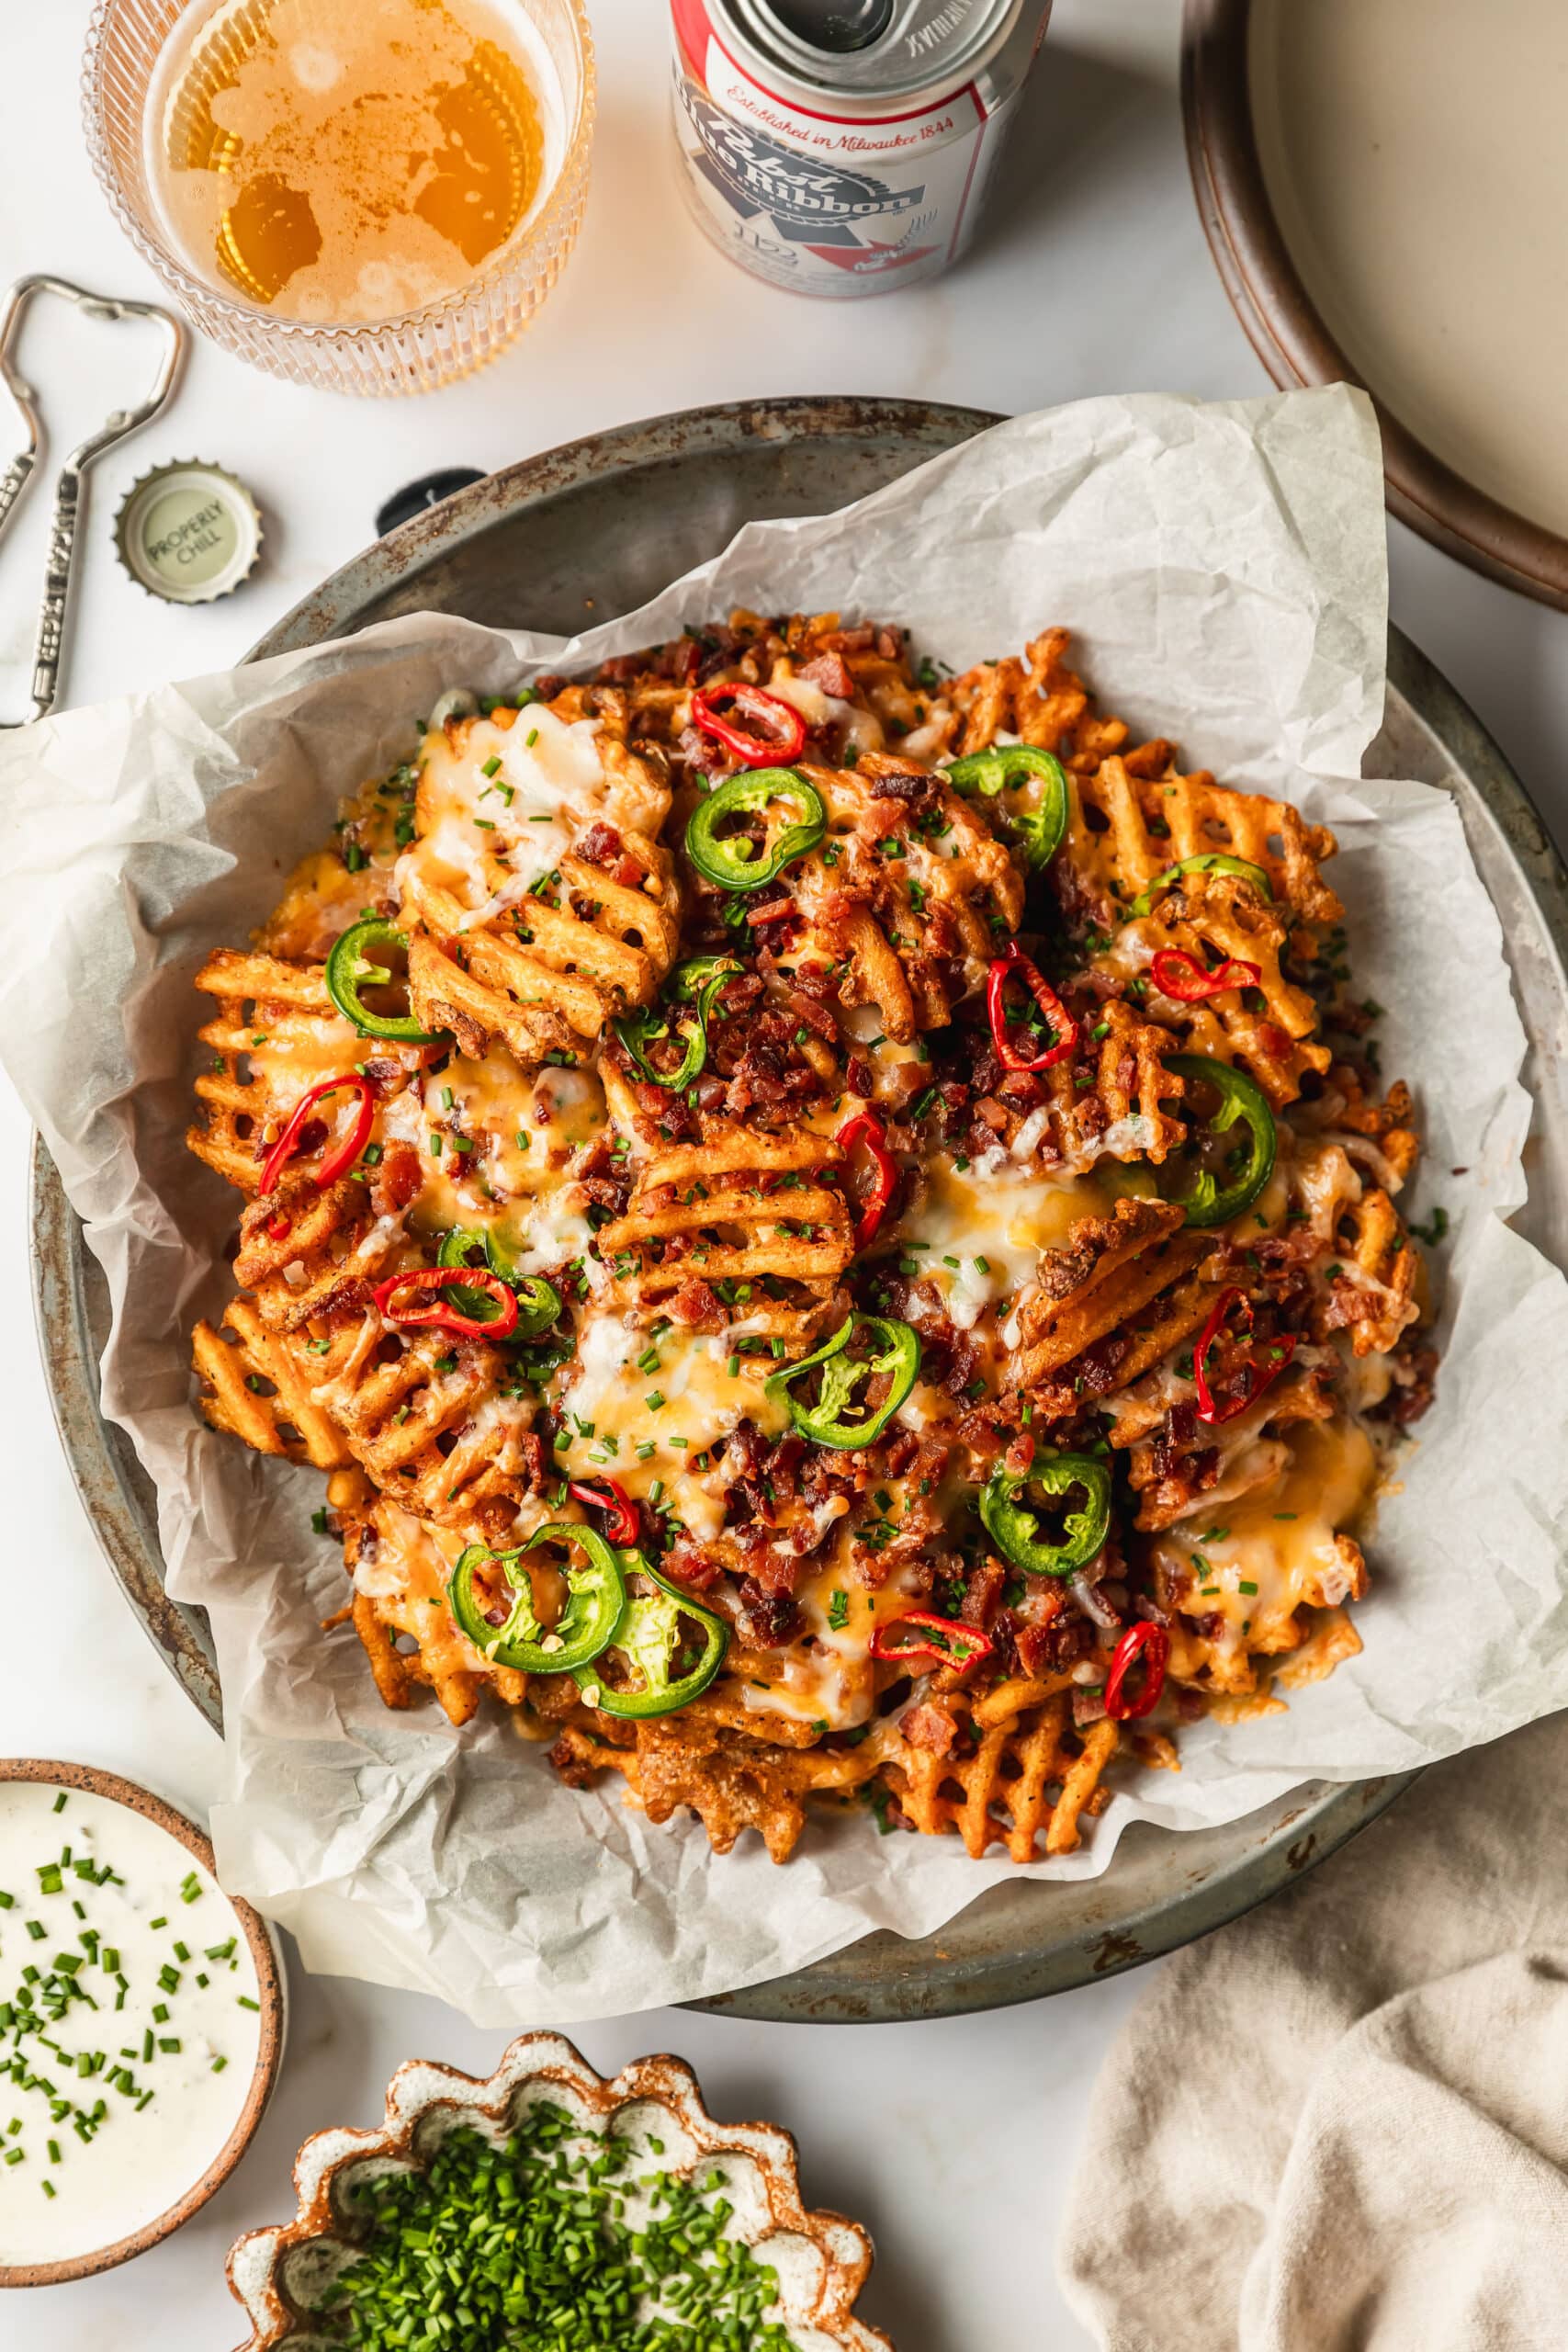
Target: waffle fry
x=661 y=1232
x=252 y=1385
x=538 y=938
x=739 y=1206
x=1275 y=1040
x=729 y=1781
x=999 y=1793
x=902 y=893
x=1126 y=828
x=401 y=1615
x=1115 y=1269
x=276 y=1034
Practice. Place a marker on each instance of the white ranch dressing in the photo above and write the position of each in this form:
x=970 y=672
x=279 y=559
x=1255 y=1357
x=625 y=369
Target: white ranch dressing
x=145 y=2152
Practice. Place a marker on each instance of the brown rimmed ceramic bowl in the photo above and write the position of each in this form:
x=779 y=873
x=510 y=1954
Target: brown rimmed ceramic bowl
x=271 y=1992
x=1287 y=333
x=279 y=2275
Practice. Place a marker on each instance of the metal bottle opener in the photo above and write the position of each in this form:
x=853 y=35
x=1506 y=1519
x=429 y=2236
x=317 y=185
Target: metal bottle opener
x=61 y=561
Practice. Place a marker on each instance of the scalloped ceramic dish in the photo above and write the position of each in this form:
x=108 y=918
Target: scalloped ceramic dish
x=279 y=2275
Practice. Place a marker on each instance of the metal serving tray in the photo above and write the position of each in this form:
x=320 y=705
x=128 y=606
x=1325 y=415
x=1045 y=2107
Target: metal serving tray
x=588 y=531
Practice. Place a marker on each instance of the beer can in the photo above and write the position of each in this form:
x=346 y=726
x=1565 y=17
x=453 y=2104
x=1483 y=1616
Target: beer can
x=847 y=150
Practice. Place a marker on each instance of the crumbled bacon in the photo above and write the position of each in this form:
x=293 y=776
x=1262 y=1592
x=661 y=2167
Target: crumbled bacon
x=906 y=785
x=598 y=845
x=696 y=1304
x=395 y=1180
x=831 y=672
x=767 y=1619
x=930 y=1726
x=692 y=1564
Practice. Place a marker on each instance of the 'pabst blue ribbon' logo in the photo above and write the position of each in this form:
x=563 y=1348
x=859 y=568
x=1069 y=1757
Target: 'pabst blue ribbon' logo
x=756 y=175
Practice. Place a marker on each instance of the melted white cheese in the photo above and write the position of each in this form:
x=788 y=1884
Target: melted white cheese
x=488 y=838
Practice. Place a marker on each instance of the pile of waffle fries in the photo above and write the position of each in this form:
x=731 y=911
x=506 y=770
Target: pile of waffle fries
x=940 y=1073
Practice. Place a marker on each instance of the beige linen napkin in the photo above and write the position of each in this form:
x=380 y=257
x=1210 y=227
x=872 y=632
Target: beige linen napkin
x=1341 y=2124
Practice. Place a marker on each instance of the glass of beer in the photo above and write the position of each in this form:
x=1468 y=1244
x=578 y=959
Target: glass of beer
x=373 y=196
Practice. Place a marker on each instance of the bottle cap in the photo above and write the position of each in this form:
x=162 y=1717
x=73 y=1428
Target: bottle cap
x=188 y=532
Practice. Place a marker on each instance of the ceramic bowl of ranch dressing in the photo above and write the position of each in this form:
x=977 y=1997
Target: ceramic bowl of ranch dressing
x=142 y=2023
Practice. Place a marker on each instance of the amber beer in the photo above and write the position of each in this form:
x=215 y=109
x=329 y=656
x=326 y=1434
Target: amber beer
x=348 y=161
x=844 y=147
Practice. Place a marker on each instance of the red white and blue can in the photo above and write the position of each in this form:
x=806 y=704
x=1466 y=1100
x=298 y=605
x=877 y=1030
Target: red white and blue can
x=847 y=150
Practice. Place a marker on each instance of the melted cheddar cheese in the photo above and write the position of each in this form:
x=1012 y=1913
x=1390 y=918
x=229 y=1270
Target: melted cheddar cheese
x=1279 y=1549
x=646 y=1410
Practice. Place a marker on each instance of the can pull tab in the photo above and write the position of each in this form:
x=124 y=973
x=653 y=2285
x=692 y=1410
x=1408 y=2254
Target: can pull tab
x=839 y=26
x=62 y=559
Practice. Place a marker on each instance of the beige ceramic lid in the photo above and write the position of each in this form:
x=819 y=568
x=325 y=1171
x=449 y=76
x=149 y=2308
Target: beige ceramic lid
x=1385 y=187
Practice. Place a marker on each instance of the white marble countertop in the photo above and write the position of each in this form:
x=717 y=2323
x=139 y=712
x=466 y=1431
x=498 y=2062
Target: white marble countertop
x=954 y=2142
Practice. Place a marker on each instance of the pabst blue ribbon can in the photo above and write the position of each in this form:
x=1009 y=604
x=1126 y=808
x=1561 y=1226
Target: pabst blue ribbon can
x=845 y=147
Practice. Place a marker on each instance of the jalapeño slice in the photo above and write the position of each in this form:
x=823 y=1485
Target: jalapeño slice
x=1249 y=1162
x=596 y=1598
x=1015 y=1528
x=357 y=962
x=1039 y=829
x=735 y=862
x=656 y=1640
x=826 y=1420
x=695 y=982
x=538 y=1302
x=1209 y=861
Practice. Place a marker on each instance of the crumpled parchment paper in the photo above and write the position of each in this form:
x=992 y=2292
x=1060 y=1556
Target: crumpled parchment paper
x=1222 y=568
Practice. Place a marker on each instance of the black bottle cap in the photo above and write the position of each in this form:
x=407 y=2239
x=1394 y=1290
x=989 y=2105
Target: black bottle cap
x=429 y=490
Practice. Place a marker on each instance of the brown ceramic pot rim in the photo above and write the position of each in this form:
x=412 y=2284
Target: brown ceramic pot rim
x=1287 y=333
x=269 y=1992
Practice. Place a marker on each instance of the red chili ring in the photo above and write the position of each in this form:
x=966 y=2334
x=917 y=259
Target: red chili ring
x=442 y=1312
x=786 y=741
x=1152 y=1643
x=344 y=1155
x=1010 y=962
x=1261 y=1375
x=1180 y=975
x=882 y=1644
x=866 y=1127
x=624 y=1527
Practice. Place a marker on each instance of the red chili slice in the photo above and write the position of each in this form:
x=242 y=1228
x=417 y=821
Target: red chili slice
x=1152 y=1644
x=343 y=1154
x=946 y=1641
x=1012 y=963
x=783 y=738
x=866 y=1128
x=1181 y=976
x=1258 y=1375
x=613 y=1498
x=440 y=1311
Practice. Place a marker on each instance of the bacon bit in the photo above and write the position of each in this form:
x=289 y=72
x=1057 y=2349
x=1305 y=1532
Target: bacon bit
x=982 y=1594
x=692 y=1564
x=930 y=1728
x=776 y=910
x=831 y=672
x=598 y=845
x=696 y=1304
x=396 y=1178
